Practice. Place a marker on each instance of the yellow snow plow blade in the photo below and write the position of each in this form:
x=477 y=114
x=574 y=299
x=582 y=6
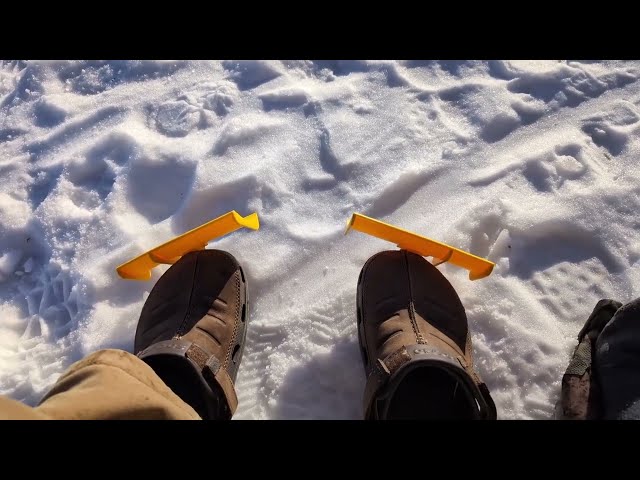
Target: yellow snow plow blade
x=169 y=253
x=441 y=252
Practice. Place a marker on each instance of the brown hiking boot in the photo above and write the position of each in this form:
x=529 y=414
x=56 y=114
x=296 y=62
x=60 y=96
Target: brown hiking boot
x=192 y=330
x=415 y=343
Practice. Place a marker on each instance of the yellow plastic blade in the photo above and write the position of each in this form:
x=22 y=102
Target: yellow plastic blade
x=170 y=252
x=441 y=252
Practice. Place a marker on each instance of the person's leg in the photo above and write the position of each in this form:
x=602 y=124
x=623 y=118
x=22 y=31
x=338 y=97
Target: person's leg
x=14 y=410
x=617 y=364
x=415 y=343
x=602 y=380
x=580 y=394
x=113 y=384
x=188 y=346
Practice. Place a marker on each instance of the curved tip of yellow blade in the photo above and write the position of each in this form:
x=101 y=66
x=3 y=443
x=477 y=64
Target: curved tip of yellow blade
x=133 y=274
x=482 y=273
x=250 y=221
x=350 y=223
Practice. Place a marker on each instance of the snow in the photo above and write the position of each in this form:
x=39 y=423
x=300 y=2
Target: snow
x=529 y=163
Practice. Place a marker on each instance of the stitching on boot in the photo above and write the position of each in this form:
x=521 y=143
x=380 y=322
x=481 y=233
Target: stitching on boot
x=232 y=343
x=362 y=304
x=188 y=312
x=414 y=323
x=381 y=370
x=396 y=359
x=198 y=355
x=468 y=365
x=468 y=347
x=412 y=311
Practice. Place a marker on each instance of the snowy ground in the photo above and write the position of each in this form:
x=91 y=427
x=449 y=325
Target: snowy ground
x=532 y=164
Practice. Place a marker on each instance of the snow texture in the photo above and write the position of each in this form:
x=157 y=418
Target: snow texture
x=530 y=163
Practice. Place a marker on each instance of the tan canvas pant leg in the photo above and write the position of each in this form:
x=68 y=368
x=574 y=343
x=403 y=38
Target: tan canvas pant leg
x=109 y=384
